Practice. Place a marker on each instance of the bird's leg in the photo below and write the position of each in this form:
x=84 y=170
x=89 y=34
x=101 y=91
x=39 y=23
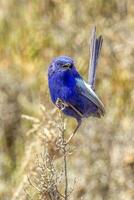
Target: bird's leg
x=75 y=130
x=62 y=105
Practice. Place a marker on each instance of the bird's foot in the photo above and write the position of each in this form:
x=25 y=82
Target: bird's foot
x=61 y=104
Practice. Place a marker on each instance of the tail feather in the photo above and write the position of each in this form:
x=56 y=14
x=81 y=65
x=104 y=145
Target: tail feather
x=96 y=44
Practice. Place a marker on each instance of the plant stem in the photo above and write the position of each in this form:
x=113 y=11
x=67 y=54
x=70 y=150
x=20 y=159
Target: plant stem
x=65 y=161
x=66 y=177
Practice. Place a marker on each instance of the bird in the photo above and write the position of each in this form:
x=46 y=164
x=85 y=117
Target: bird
x=70 y=92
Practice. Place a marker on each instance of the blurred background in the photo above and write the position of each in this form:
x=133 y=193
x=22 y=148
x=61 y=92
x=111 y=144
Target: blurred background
x=31 y=34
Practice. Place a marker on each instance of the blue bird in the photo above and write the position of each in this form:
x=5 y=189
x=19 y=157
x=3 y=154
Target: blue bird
x=69 y=92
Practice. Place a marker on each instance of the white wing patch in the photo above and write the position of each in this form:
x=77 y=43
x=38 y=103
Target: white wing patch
x=93 y=93
x=90 y=95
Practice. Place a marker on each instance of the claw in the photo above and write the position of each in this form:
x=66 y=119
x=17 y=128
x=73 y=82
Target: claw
x=61 y=104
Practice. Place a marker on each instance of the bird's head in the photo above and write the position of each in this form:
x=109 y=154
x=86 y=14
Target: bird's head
x=60 y=64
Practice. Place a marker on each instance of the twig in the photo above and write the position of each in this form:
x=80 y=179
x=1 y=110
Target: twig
x=64 y=156
x=34 y=186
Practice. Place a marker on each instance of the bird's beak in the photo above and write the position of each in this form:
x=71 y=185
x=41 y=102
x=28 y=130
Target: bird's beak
x=67 y=66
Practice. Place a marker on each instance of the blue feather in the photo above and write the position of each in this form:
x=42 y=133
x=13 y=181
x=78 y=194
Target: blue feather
x=67 y=85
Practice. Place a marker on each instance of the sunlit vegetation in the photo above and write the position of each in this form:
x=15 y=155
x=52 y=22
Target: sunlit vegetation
x=31 y=34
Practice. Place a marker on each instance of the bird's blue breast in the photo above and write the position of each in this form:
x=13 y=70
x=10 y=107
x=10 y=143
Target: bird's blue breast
x=63 y=85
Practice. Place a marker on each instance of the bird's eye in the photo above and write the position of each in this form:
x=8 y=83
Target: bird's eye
x=67 y=65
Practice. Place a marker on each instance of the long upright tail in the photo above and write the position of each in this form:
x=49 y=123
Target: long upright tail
x=96 y=44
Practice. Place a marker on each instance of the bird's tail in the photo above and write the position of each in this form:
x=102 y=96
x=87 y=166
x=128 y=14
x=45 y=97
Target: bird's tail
x=96 y=44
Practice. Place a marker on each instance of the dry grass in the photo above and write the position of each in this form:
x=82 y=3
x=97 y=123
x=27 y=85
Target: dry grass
x=31 y=34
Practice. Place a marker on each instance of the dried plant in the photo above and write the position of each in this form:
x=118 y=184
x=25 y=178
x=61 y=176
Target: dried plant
x=32 y=33
x=47 y=180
